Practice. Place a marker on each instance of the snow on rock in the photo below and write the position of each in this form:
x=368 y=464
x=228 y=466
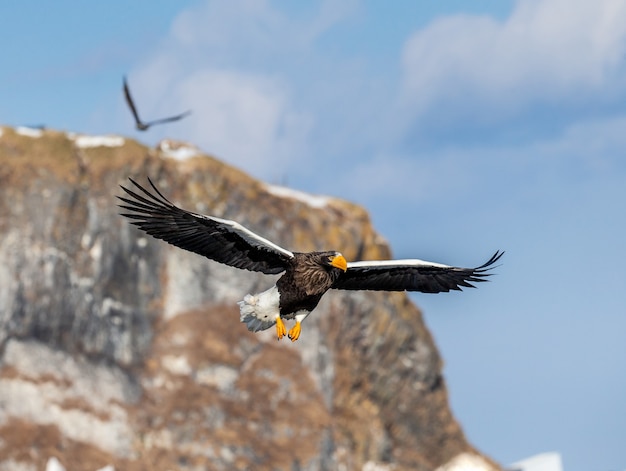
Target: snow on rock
x=314 y=201
x=84 y=141
x=54 y=464
x=29 y=132
x=467 y=462
x=178 y=150
x=108 y=467
x=542 y=462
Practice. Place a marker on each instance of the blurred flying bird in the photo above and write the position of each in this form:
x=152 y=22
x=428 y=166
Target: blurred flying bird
x=141 y=126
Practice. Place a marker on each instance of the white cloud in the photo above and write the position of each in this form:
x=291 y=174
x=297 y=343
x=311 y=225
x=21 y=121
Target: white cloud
x=255 y=25
x=400 y=177
x=235 y=64
x=247 y=119
x=225 y=26
x=586 y=151
x=546 y=51
x=270 y=98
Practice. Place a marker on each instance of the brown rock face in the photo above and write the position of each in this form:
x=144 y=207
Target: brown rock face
x=119 y=349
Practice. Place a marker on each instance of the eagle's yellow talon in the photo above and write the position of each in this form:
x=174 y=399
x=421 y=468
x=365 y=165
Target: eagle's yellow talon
x=294 y=332
x=281 y=331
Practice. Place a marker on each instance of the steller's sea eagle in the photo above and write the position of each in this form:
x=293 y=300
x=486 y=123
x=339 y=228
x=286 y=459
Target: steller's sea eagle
x=139 y=124
x=307 y=276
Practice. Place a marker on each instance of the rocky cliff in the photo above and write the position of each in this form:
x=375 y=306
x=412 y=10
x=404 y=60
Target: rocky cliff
x=119 y=349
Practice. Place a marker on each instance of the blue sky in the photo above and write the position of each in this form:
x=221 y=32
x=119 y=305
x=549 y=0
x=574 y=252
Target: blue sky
x=464 y=127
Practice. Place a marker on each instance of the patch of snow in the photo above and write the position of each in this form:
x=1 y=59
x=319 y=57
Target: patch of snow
x=54 y=464
x=85 y=142
x=1 y=131
x=108 y=467
x=315 y=201
x=467 y=462
x=550 y=461
x=178 y=150
x=29 y=132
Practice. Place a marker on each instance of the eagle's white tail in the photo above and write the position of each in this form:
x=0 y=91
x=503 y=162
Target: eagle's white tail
x=259 y=311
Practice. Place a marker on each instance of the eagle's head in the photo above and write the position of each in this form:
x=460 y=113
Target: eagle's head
x=334 y=260
x=315 y=272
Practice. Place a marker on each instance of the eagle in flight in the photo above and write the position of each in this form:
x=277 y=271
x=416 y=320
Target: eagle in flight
x=306 y=276
x=139 y=124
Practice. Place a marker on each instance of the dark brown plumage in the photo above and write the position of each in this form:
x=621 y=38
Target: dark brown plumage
x=139 y=124
x=306 y=276
x=306 y=279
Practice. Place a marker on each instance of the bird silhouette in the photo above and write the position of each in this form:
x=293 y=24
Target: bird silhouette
x=139 y=124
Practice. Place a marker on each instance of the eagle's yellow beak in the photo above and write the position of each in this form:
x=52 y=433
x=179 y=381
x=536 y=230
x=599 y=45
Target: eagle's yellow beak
x=338 y=261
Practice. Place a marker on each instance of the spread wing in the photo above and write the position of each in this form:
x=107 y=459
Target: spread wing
x=170 y=119
x=412 y=275
x=131 y=104
x=221 y=240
